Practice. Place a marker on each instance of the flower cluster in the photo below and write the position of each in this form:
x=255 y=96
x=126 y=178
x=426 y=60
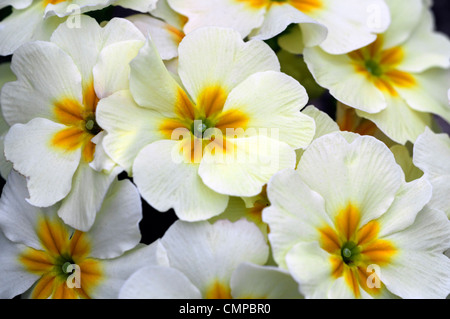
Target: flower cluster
x=201 y=106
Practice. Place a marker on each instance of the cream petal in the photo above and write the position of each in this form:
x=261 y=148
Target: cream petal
x=117 y=271
x=166 y=181
x=129 y=127
x=217 y=249
x=362 y=173
x=237 y=15
x=80 y=206
x=295 y=213
x=263 y=282
x=45 y=73
x=279 y=17
x=49 y=170
x=246 y=166
x=272 y=101
x=116 y=227
x=155 y=282
x=344 y=80
x=166 y=37
x=218 y=57
x=19 y=219
x=398 y=121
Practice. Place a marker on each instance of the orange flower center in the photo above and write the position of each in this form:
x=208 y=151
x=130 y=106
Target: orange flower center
x=380 y=66
x=355 y=249
x=305 y=6
x=80 y=123
x=65 y=270
x=205 y=123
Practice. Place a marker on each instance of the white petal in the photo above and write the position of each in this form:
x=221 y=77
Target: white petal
x=165 y=181
x=79 y=208
x=432 y=153
x=280 y=16
x=6 y=75
x=217 y=56
x=129 y=127
x=102 y=162
x=272 y=101
x=18 y=219
x=15 y=279
x=263 y=282
x=363 y=172
x=430 y=233
x=237 y=209
x=116 y=271
x=237 y=15
x=405 y=17
x=310 y=267
x=18 y=4
x=338 y=74
x=247 y=164
x=14 y=32
x=138 y=5
x=440 y=199
x=294 y=215
x=399 y=121
x=213 y=251
x=112 y=71
x=429 y=94
x=425 y=48
x=430 y=273
x=44 y=73
x=351 y=24
x=49 y=171
x=324 y=123
x=85 y=43
x=5 y=165
x=151 y=84
x=74 y=7
x=167 y=14
x=409 y=201
x=155 y=282
x=116 y=227
x=341 y=290
x=166 y=37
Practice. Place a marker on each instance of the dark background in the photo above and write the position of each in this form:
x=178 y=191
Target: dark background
x=154 y=223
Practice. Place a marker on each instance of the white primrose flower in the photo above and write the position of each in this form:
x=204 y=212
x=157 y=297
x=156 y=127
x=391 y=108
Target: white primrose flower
x=37 y=19
x=337 y=26
x=432 y=155
x=347 y=225
x=54 y=139
x=219 y=261
x=232 y=124
x=399 y=80
x=6 y=75
x=41 y=257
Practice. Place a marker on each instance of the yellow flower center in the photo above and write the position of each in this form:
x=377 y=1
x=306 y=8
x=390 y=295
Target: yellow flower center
x=380 y=66
x=305 y=6
x=354 y=249
x=46 y=2
x=80 y=122
x=206 y=121
x=218 y=290
x=65 y=270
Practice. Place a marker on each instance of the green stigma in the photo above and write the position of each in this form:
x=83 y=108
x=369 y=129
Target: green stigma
x=198 y=127
x=373 y=68
x=91 y=125
x=349 y=252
